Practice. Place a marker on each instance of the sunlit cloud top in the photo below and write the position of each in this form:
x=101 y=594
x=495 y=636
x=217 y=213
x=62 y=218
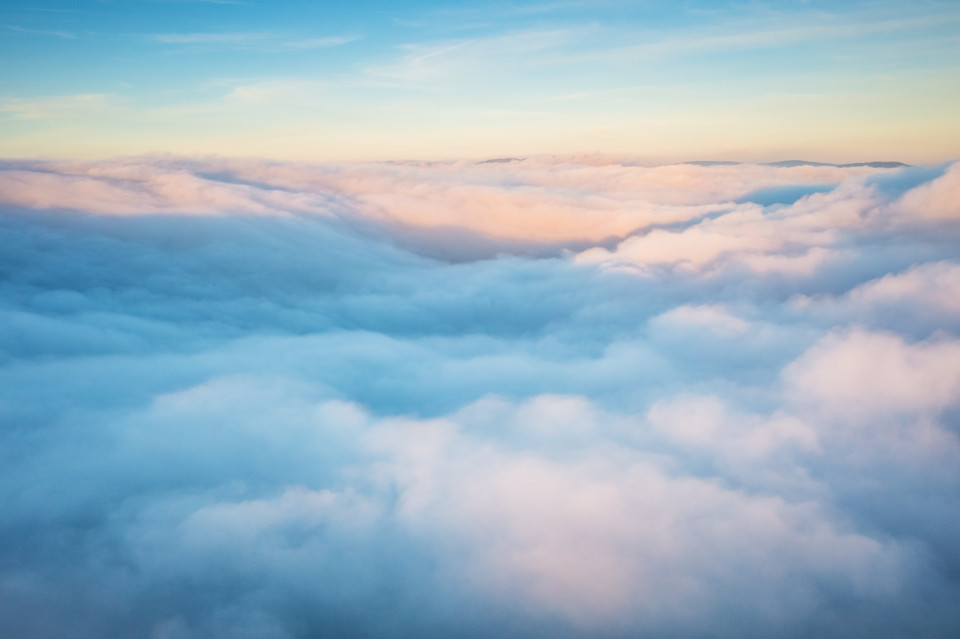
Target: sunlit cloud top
x=374 y=80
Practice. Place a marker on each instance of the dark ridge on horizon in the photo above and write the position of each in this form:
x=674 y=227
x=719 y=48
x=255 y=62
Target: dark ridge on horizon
x=793 y=163
x=500 y=160
x=875 y=165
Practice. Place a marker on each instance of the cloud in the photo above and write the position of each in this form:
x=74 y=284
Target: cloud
x=935 y=199
x=558 y=396
x=422 y=64
x=253 y=40
x=867 y=376
x=774 y=35
x=57 y=34
x=609 y=539
x=918 y=301
x=56 y=107
x=543 y=201
x=209 y=38
x=795 y=239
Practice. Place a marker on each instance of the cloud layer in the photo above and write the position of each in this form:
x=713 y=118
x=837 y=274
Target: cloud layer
x=564 y=396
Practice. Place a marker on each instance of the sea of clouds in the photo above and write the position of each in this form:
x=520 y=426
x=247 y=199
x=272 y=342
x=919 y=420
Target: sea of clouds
x=552 y=397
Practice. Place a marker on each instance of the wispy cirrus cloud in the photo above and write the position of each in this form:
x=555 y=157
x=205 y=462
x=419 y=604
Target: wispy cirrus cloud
x=234 y=2
x=43 y=32
x=458 y=59
x=261 y=41
x=60 y=107
x=771 y=36
x=597 y=42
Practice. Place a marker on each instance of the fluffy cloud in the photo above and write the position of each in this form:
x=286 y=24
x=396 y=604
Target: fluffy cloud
x=919 y=300
x=936 y=199
x=549 y=397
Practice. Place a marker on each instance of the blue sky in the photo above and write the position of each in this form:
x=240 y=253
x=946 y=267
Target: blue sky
x=565 y=396
x=376 y=80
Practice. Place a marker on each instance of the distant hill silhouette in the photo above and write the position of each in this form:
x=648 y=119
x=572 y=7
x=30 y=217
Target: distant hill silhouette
x=500 y=160
x=878 y=165
x=875 y=165
x=792 y=163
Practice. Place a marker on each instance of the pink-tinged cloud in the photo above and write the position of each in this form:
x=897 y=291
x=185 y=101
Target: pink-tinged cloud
x=864 y=375
x=936 y=199
x=537 y=200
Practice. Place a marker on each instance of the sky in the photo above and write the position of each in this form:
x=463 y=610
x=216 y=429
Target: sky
x=560 y=320
x=368 y=80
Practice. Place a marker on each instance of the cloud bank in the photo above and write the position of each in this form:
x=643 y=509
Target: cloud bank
x=551 y=397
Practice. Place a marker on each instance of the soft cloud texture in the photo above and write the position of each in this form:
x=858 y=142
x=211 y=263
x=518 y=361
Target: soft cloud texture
x=565 y=396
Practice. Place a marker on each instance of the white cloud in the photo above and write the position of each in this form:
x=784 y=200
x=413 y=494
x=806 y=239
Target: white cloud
x=864 y=376
x=920 y=300
x=548 y=397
